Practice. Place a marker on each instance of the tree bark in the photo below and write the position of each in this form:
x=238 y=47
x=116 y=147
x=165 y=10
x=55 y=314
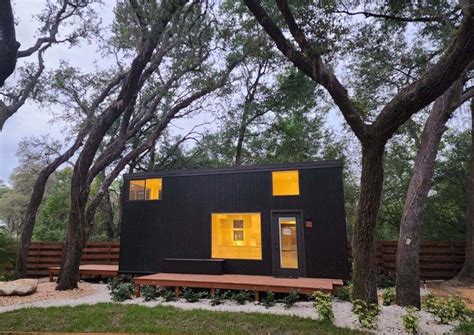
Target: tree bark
x=408 y=260
x=467 y=271
x=364 y=236
x=8 y=43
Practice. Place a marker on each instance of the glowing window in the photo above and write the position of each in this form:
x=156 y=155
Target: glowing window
x=285 y=183
x=236 y=236
x=145 y=189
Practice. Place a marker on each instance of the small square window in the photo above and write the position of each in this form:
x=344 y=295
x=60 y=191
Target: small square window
x=285 y=183
x=238 y=235
x=145 y=189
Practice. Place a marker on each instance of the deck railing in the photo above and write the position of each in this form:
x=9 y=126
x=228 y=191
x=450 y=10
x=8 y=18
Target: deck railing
x=438 y=259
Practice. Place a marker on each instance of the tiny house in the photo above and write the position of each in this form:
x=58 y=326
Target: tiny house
x=282 y=220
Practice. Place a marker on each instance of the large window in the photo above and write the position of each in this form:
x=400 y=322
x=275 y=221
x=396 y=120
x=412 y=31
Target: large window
x=236 y=236
x=145 y=189
x=285 y=183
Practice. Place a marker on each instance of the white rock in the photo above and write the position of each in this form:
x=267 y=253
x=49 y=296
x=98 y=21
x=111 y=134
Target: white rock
x=18 y=287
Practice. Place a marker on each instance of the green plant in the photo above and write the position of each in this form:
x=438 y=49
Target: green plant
x=385 y=280
x=269 y=300
x=241 y=297
x=191 y=295
x=411 y=320
x=323 y=303
x=149 y=292
x=8 y=249
x=168 y=295
x=446 y=309
x=292 y=298
x=366 y=313
x=121 y=288
x=388 y=296
x=344 y=293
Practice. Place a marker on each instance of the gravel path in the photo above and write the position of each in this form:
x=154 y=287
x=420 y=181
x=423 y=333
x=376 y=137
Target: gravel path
x=389 y=321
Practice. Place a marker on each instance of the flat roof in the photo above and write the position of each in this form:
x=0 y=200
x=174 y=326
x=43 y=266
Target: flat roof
x=238 y=169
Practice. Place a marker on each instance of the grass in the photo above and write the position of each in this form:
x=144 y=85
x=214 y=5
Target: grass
x=160 y=319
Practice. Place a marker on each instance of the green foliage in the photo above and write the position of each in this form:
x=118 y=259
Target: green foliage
x=241 y=297
x=8 y=250
x=168 y=295
x=385 y=280
x=344 y=293
x=411 y=320
x=121 y=288
x=269 y=300
x=191 y=295
x=446 y=309
x=388 y=296
x=323 y=304
x=149 y=292
x=291 y=299
x=366 y=312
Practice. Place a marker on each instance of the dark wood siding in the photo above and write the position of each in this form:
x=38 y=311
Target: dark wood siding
x=179 y=225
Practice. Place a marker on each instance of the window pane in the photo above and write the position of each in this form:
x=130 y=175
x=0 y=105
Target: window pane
x=136 y=190
x=153 y=188
x=285 y=183
x=236 y=236
x=288 y=244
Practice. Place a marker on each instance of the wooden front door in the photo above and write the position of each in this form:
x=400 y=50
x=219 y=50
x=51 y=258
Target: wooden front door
x=288 y=248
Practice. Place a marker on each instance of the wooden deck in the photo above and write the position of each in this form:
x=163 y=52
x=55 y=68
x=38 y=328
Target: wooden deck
x=238 y=282
x=103 y=270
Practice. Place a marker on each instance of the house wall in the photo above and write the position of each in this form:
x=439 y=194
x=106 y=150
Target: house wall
x=179 y=225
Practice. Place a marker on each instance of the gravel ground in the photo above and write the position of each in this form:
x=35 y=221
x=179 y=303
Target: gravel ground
x=389 y=321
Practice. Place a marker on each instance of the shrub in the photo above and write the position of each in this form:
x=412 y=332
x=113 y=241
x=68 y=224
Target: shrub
x=269 y=300
x=291 y=299
x=149 y=292
x=388 y=296
x=121 y=288
x=385 y=280
x=241 y=297
x=411 y=320
x=323 y=303
x=8 y=249
x=168 y=295
x=344 y=293
x=219 y=296
x=446 y=309
x=192 y=296
x=366 y=313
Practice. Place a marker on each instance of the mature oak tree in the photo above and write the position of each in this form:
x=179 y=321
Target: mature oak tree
x=306 y=54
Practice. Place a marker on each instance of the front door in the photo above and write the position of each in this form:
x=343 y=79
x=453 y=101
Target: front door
x=287 y=238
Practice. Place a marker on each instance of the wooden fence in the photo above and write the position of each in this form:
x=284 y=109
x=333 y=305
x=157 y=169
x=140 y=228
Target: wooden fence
x=43 y=255
x=438 y=259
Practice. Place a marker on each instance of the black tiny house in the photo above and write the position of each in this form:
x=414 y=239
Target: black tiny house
x=283 y=220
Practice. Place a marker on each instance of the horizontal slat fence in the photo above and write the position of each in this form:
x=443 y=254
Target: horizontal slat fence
x=438 y=259
x=43 y=255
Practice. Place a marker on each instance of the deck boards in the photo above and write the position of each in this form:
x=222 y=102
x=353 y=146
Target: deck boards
x=239 y=282
x=105 y=270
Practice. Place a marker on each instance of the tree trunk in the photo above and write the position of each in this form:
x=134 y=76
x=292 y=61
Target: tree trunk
x=408 y=260
x=467 y=271
x=240 y=142
x=364 y=239
x=8 y=43
x=109 y=212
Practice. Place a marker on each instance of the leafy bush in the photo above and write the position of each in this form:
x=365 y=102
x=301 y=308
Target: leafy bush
x=121 y=288
x=366 y=313
x=191 y=295
x=8 y=250
x=323 y=303
x=388 y=296
x=168 y=295
x=149 y=292
x=446 y=309
x=344 y=293
x=241 y=297
x=385 y=280
x=291 y=299
x=269 y=300
x=219 y=296
x=411 y=320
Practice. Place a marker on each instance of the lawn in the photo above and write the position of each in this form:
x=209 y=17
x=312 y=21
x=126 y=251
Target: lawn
x=159 y=319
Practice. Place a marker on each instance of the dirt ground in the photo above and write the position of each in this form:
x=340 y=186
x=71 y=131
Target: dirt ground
x=46 y=291
x=449 y=288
